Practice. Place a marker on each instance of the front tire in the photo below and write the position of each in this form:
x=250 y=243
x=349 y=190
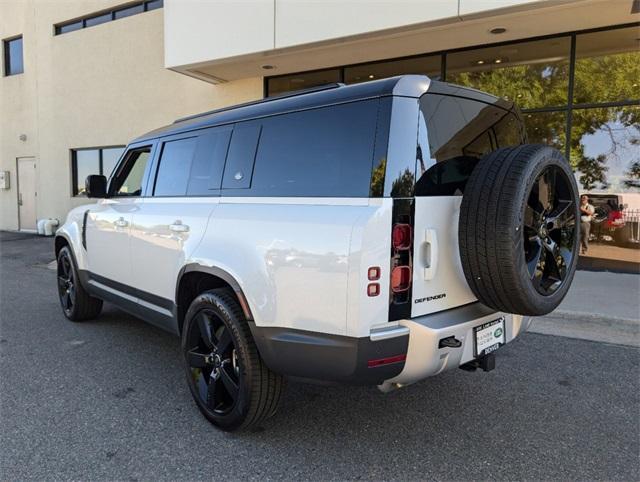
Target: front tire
x=77 y=304
x=228 y=380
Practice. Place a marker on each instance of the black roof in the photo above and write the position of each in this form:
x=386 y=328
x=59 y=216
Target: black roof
x=404 y=86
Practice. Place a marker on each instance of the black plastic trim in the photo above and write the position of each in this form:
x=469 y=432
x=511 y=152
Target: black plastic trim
x=324 y=357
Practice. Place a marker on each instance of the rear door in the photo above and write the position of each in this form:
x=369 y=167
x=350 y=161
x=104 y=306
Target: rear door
x=453 y=134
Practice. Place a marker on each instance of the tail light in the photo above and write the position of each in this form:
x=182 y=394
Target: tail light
x=401 y=236
x=400 y=279
x=401 y=270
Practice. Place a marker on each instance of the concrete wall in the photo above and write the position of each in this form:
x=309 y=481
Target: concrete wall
x=94 y=87
x=222 y=40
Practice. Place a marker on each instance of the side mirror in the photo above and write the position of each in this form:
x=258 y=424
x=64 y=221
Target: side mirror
x=96 y=186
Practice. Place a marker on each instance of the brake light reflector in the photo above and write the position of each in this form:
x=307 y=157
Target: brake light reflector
x=400 y=279
x=373 y=273
x=386 y=361
x=373 y=289
x=401 y=236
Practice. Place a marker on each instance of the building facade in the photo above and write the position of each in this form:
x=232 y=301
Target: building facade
x=82 y=77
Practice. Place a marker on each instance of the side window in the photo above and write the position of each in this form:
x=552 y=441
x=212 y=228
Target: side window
x=242 y=153
x=128 y=180
x=172 y=176
x=208 y=162
x=325 y=152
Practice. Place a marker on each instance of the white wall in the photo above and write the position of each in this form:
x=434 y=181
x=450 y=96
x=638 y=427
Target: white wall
x=202 y=31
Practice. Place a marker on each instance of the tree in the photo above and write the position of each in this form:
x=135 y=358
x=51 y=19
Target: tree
x=633 y=175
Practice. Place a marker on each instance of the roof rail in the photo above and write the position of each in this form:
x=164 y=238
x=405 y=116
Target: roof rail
x=285 y=95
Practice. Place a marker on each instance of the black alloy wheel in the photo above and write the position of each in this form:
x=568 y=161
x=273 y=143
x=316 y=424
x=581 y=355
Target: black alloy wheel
x=229 y=381
x=213 y=362
x=549 y=230
x=66 y=283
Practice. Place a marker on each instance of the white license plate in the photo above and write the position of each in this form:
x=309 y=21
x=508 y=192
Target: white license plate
x=489 y=336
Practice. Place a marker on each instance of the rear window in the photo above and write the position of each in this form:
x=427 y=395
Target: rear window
x=458 y=133
x=324 y=152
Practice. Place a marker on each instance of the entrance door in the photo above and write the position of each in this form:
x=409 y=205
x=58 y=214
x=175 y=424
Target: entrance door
x=26 y=182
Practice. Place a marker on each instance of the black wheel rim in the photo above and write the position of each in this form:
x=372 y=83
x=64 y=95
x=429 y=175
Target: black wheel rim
x=212 y=362
x=550 y=230
x=66 y=283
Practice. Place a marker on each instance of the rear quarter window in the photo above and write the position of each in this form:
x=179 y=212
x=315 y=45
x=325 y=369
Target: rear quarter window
x=324 y=152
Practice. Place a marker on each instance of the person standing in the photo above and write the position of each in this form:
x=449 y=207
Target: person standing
x=586 y=212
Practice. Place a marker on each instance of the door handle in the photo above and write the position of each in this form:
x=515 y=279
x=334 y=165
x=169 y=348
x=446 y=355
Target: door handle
x=20 y=199
x=178 y=227
x=121 y=223
x=430 y=253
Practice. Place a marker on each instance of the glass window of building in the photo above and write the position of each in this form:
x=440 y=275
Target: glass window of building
x=287 y=83
x=425 y=65
x=607 y=66
x=547 y=128
x=604 y=149
x=532 y=74
x=13 y=59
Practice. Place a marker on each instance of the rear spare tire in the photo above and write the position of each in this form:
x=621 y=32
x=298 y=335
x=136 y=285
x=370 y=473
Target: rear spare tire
x=518 y=230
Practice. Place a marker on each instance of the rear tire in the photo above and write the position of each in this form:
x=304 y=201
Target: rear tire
x=518 y=229
x=77 y=304
x=228 y=380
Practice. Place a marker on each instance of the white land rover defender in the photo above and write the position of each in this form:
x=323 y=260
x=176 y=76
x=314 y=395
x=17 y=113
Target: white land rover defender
x=376 y=234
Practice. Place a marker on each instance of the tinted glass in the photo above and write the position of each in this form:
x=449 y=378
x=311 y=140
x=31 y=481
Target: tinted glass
x=532 y=74
x=128 y=181
x=604 y=149
x=547 y=128
x=242 y=153
x=319 y=152
x=459 y=132
x=13 y=61
x=208 y=162
x=110 y=158
x=175 y=164
x=70 y=27
x=97 y=20
x=607 y=66
x=427 y=65
x=87 y=162
x=126 y=12
x=278 y=85
x=153 y=4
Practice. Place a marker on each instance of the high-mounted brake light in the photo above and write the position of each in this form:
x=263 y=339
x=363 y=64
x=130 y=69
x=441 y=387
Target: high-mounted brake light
x=401 y=236
x=400 y=279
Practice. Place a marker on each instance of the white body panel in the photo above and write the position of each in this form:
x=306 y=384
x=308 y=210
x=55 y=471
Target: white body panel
x=437 y=269
x=290 y=256
x=165 y=232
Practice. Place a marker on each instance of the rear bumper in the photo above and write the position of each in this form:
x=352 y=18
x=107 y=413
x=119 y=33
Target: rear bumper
x=425 y=358
x=334 y=358
x=320 y=356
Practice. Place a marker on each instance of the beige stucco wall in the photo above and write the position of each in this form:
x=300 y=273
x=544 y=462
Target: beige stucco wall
x=94 y=87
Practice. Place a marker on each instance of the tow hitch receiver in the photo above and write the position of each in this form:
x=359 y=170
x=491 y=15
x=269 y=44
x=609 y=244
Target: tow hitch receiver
x=486 y=362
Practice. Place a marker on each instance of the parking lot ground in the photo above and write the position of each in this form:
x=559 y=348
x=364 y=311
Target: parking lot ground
x=106 y=400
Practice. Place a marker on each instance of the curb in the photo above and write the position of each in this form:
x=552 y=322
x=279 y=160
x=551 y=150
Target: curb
x=578 y=316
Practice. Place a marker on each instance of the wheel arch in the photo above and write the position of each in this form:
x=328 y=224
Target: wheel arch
x=195 y=278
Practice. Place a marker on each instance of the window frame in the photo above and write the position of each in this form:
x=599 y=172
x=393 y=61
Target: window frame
x=74 y=163
x=124 y=159
x=7 y=57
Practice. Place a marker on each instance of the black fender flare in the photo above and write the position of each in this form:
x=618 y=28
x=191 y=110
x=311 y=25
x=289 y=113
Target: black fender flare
x=224 y=276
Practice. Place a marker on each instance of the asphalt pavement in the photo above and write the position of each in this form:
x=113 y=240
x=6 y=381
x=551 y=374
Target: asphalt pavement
x=106 y=400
